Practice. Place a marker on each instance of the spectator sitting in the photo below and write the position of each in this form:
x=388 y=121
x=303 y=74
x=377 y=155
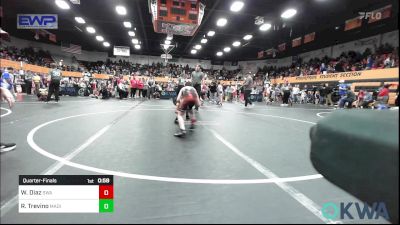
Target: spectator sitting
x=104 y=92
x=360 y=98
x=368 y=99
x=383 y=96
x=350 y=98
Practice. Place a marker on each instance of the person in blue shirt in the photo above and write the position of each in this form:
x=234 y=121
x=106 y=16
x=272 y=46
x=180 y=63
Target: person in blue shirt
x=7 y=79
x=370 y=62
x=368 y=99
x=6 y=95
x=343 y=87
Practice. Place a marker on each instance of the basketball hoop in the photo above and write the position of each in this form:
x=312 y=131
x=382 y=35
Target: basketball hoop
x=167 y=49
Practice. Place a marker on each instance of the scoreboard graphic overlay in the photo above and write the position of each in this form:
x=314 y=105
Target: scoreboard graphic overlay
x=66 y=194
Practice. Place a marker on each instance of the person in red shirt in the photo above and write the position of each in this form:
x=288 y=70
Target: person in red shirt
x=360 y=98
x=384 y=91
x=383 y=95
x=140 y=85
x=133 y=87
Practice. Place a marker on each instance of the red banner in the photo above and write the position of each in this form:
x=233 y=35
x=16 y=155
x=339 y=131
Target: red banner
x=309 y=37
x=353 y=24
x=260 y=55
x=380 y=14
x=282 y=47
x=296 y=42
x=53 y=38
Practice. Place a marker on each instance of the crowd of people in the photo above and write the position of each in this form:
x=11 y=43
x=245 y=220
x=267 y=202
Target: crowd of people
x=330 y=95
x=385 y=56
x=214 y=91
x=140 y=80
x=26 y=55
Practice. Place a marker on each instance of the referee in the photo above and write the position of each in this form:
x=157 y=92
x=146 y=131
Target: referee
x=55 y=79
x=197 y=78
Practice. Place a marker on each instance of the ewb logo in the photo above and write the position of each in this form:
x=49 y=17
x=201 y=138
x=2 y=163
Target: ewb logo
x=332 y=211
x=37 y=21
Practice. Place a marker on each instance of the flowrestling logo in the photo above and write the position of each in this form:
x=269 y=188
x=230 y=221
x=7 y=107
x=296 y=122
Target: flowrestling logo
x=334 y=211
x=37 y=21
x=372 y=15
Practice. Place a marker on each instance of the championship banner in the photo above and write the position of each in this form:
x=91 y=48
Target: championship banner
x=309 y=37
x=296 y=42
x=380 y=14
x=282 y=47
x=353 y=24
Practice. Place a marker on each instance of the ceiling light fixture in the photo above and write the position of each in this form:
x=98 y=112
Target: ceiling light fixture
x=167 y=42
x=194 y=51
x=135 y=41
x=137 y=46
x=222 y=22
x=236 y=43
x=203 y=41
x=106 y=44
x=127 y=24
x=198 y=47
x=131 y=33
x=289 y=13
x=211 y=33
x=265 y=27
x=79 y=20
x=237 y=6
x=99 y=38
x=248 y=37
x=227 y=49
x=91 y=30
x=62 y=4
x=219 y=53
x=120 y=10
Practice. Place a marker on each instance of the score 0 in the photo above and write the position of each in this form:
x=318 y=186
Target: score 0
x=106 y=201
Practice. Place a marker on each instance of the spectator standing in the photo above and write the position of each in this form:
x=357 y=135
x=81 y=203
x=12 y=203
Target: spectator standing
x=322 y=94
x=329 y=92
x=145 y=88
x=295 y=93
x=36 y=82
x=28 y=82
x=213 y=92
x=247 y=86
x=133 y=84
x=140 y=86
x=152 y=86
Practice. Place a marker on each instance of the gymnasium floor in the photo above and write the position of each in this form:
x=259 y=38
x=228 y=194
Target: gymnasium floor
x=238 y=166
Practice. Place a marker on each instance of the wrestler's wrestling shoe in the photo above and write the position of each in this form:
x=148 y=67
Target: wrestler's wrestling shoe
x=180 y=133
